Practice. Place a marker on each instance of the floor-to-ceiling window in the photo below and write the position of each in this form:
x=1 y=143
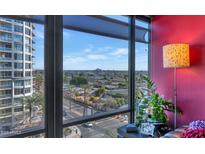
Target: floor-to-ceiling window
x=142 y=68
x=95 y=76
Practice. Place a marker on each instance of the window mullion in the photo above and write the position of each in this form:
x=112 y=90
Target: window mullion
x=131 y=69
x=53 y=75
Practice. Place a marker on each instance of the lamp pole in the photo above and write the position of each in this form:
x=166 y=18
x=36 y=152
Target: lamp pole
x=175 y=98
x=175 y=56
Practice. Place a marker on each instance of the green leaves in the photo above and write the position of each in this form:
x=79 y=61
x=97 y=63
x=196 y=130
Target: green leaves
x=79 y=81
x=35 y=99
x=151 y=104
x=158 y=114
x=100 y=91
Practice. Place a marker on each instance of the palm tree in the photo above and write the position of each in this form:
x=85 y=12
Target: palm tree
x=85 y=87
x=31 y=101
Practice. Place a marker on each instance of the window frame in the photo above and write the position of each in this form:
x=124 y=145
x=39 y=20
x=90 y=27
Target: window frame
x=53 y=68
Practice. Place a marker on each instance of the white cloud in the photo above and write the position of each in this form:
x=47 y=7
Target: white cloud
x=87 y=50
x=120 y=52
x=66 y=34
x=108 y=48
x=74 y=60
x=96 y=57
x=92 y=49
x=104 y=49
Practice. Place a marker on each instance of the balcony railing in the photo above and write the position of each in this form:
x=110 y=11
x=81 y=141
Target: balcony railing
x=28 y=50
x=5 y=67
x=5 y=86
x=5 y=77
x=19 y=40
x=5 y=95
x=18 y=50
x=6 y=28
x=5 y=104
x=5 y=114
x=18 y=21
x=5 y=58
x=2 y=38
x=18 y=86
x=5 y=49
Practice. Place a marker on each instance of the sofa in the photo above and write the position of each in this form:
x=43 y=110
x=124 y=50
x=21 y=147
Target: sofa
x=175 y=133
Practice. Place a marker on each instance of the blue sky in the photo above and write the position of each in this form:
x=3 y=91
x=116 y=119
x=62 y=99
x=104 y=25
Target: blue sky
x=83 y=51
x=39 y=47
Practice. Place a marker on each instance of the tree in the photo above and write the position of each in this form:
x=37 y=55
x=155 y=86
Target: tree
x=82 y=82
x=99 y=92
x=34 y=100
x=108 y=103
x=126 y=78
x=77 y=94
x=85 y=87
x=93 y=99
x=120 y=101
x=71 y=88
x=65 y=79
x=38 y=81
x=78 y=81
x=122 y=85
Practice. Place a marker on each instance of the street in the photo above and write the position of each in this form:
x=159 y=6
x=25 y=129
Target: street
x=106 y=128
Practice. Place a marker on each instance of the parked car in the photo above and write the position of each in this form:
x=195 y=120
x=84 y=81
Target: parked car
x=88 y=125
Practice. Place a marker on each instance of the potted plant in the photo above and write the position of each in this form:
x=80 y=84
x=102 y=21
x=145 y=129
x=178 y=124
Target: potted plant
x=151 y=106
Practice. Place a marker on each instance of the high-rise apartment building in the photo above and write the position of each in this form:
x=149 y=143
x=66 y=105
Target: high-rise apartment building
x=16 y=82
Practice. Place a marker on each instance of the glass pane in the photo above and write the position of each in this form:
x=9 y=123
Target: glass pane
x=120 y=18
x=95 y=74
x=21 y=79
x=141 y=67
x=142 y=23
x=141 y=60
x=105 y=128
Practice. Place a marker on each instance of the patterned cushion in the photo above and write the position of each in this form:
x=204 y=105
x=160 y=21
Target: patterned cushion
x=193 y=133
x=197 y=124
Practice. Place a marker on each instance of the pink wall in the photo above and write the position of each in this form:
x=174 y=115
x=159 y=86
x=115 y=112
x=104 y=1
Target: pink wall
x=190 y=81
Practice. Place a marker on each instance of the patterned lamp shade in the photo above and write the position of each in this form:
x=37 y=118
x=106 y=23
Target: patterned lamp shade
x=176 y=55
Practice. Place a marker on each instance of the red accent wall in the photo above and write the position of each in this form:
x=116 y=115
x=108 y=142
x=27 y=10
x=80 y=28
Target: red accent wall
x=190 y=81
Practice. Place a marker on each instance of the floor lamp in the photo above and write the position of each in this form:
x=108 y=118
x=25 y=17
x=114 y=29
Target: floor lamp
x=175 y=56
